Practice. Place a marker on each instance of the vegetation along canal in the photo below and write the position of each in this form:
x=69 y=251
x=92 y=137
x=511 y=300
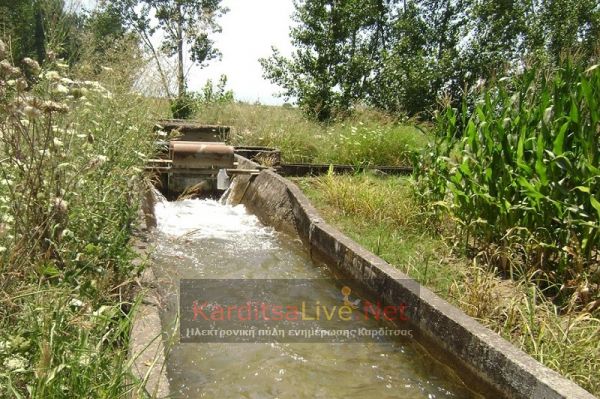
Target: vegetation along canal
x=204 y=239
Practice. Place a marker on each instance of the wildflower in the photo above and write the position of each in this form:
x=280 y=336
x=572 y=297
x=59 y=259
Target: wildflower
x=62 y=65
x=52 y=75
x=52 y=106
x=76 y=303
x=2 y=250
x=31 y=112
x=84 y=360
x=60 y=206
x=57 y=142
x=32 y=65
x=8 y=69
x=107 y=69
x=61 y=89
x=98 y=160
x=21 y=84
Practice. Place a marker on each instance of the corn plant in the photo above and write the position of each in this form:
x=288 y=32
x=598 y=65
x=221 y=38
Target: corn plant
x=521 y=169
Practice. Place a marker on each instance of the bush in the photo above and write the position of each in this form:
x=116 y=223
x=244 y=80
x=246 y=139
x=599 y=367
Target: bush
x=183 y=107
x=521 y=172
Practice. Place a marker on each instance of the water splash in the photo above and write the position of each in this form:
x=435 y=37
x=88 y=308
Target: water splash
x=202 y=219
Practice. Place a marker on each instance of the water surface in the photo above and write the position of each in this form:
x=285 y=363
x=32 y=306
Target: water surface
x=205 y=239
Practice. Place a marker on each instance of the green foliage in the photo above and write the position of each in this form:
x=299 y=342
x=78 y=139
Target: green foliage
x=35 y=27
x=336 y=43
x=183 y=107
x=71 y=159
x=401 y=56
x=522 y=170
x=105 y=28
x=360 y=206
x=218 y=94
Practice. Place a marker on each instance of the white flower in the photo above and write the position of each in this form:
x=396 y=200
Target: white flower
x=84 y=360
x=61 y=89
x=52 y=75
x=98 y=160
x=31 y=112
x=57 y=142
x=2 y=250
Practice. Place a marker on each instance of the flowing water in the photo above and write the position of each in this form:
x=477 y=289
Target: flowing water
x=202 y=239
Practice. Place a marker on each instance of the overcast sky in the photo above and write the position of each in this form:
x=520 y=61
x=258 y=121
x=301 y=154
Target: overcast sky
x=250 y=28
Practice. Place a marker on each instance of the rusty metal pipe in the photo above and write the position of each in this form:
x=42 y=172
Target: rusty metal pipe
x=199 y=155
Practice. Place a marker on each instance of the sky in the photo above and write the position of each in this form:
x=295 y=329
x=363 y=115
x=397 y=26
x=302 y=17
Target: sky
x=250 y=28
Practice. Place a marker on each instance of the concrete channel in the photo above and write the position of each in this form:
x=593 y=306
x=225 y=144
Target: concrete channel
x=482 y=356
x=485 y=361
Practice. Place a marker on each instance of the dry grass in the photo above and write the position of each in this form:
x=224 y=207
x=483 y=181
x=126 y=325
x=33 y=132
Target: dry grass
x=366 y=138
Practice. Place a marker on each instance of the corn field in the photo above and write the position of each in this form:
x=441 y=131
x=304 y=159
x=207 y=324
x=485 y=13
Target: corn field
x=519 y=171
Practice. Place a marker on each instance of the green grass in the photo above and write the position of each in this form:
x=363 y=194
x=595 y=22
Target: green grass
x=382 y=215
x=367 y=138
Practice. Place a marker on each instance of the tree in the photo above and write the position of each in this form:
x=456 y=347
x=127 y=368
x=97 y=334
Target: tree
x=337 y=44
x=184 y=24
x=401 y=56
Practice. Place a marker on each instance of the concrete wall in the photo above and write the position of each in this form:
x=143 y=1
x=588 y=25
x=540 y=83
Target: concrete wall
x=146 y=347
x=484 y=359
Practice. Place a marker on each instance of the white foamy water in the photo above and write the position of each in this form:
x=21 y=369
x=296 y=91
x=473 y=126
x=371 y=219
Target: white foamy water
x=199 y=219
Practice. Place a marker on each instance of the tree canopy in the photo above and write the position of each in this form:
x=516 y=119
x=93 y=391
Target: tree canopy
x=400 y=56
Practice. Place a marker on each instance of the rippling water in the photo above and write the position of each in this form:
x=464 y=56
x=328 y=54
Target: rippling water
x=206 y=239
